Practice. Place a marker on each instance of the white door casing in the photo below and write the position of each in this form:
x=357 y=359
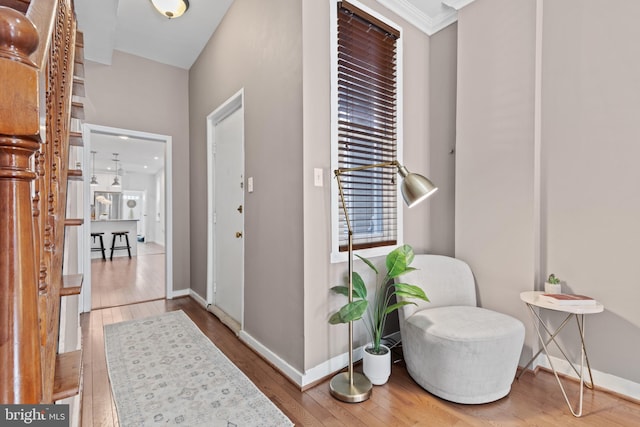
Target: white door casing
x=225 y=260
x=91 y=129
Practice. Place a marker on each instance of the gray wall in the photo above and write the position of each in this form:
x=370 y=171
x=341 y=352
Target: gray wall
x=590 y=152
x=138 y=94
x=258 y=47
x=279 y=53
x=442 y=136
x=323 y=341
x=495 y=223
x=582 y=157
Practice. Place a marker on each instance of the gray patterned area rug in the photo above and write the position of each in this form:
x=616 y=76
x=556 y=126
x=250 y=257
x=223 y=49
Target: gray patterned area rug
x=165 y=371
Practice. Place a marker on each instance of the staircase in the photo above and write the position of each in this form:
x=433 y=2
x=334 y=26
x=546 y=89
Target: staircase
x=41 y=85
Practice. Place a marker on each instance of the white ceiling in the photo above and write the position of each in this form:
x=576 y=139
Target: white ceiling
x=135 y=27
x=135 y=155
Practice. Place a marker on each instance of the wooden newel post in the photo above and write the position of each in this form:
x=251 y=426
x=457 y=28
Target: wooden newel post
x=20 y=366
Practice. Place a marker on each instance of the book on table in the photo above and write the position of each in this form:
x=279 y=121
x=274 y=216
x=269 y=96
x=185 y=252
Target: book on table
x=568 y=299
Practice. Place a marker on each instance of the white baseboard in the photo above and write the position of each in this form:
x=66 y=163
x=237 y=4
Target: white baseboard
x=311 y=375
x=180 y=293
x=331 y=366
x=602 y=380
x=301 y=379
x=197 y=298
x=292 y=373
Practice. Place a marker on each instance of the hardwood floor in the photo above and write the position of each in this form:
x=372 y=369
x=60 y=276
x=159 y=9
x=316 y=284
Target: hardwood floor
x=128 y=281
x=150 y=248
x=535 y=400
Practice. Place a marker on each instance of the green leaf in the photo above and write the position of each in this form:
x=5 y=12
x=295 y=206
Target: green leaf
x=342 y=290
x=349 y=312
x=359 y=288
x=335 y=318
x=398 y=305
x=398 y=260
x=410 y=254
x=410 y=291
x=369 y=263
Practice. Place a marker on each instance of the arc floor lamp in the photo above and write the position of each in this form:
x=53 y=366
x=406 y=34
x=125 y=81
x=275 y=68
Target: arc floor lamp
x=353 y=386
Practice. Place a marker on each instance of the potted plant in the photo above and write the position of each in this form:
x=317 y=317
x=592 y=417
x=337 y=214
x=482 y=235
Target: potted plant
x=552 y=285
x=397 y=263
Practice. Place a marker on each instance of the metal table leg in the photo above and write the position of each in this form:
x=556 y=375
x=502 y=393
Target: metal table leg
x=537 y=321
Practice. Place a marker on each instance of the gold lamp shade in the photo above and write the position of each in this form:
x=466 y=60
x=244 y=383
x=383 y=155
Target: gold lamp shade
x=415 y=188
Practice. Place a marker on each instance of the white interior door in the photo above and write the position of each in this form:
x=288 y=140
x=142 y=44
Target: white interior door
x=228 y=216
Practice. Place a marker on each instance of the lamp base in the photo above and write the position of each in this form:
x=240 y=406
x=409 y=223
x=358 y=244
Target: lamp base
x=341 y=388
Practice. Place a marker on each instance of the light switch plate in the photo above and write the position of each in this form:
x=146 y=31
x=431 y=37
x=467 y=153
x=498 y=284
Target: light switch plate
x=317 y=177
x=250 y=184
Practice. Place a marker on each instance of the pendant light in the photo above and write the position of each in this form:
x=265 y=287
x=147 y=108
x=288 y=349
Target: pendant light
x=171 y=8
x=94 y=180
x=116 y=181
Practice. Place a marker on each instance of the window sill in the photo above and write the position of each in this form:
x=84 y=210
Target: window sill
x=337 y=257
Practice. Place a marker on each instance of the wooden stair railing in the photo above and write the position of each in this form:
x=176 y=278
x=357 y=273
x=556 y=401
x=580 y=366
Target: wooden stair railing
x=37 y=48
x=19 y=140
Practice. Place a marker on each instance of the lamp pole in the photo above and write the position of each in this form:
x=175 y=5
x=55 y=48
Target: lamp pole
x=350 y=386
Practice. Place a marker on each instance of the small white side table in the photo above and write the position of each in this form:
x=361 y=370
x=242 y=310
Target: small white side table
x=532 y=300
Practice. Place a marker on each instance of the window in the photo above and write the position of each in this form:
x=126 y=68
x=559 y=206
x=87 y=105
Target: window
x=366 y=128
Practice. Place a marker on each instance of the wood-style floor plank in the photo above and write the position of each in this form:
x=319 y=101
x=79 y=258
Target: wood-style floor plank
x=535 y=400
x=127 y=281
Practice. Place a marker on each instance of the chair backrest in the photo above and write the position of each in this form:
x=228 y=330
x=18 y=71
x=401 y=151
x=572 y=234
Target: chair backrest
x=446 y=281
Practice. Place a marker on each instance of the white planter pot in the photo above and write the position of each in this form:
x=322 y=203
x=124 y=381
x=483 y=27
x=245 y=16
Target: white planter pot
x=377 y=367
x=550 y=288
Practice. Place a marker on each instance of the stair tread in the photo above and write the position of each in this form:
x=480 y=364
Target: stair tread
x=71 y=284
x=66 y=381
x=73 y=222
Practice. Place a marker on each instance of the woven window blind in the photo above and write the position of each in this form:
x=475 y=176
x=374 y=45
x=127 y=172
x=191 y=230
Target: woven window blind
x=367 y=127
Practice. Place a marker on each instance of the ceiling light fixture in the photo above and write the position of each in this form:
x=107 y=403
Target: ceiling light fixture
x=171 y=8
x=94 y=180
x=116 y=181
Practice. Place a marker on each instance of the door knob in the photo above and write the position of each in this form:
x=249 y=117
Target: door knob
x=240 y=208
x=238 y=234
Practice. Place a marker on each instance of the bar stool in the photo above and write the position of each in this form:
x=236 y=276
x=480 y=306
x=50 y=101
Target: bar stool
x=101 y=248
x=119 y=234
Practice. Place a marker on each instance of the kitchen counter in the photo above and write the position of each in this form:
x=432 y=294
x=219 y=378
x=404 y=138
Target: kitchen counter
x=107 y=226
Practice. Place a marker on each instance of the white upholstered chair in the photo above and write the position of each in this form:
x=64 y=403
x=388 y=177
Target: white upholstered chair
x=452 y=348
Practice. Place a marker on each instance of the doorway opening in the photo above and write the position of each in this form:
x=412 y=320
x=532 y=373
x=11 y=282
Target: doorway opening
x=132 y=195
